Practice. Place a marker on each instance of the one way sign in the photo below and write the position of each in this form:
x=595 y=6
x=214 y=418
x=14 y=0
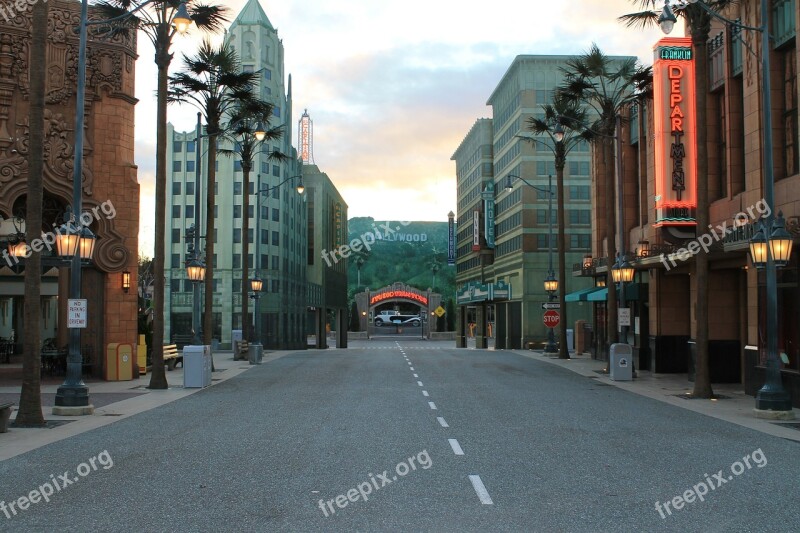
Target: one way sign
x=551 y=305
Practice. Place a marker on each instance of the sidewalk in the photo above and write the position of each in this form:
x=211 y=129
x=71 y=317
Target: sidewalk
x=113 y=401
x=733 y=405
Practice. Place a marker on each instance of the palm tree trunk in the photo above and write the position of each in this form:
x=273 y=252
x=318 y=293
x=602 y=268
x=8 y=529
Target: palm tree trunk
x=158 y=377
x=611 y=238
x=245 y=251
x=30 y=402
x=208 y=303
x=563 y=349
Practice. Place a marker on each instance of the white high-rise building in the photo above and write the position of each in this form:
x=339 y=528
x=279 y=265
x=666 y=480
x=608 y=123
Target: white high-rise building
x=278 y=227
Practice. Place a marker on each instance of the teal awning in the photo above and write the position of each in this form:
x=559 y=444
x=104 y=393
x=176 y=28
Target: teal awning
x=581 y=295
x=600 y=295
x=632 y=292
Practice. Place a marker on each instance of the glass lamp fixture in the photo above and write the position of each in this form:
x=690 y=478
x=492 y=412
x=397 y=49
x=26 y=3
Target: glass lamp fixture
x=126 y=281
x=667 y=20
x=758 y=248
x=181 y=20
x=196 y=271
x=550 y=283
x=300 y=187
x=256 y=284
x=780 y=242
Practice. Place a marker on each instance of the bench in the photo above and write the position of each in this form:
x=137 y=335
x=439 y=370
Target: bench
x=240 y=350
x=171 y=356
x=5 y=414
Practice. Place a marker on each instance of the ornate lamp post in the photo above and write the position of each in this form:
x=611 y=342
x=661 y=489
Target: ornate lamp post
x=72 y=397
x=550 y=282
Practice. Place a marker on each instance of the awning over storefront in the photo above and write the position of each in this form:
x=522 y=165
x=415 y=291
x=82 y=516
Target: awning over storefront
x=581 y=295
x=632 y=292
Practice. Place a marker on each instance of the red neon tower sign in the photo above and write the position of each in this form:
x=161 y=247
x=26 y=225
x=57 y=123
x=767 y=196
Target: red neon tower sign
x=675 y=132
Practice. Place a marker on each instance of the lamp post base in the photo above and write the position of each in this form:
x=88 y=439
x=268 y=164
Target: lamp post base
x=73 y=411
x=72 y=396
x=775 y=402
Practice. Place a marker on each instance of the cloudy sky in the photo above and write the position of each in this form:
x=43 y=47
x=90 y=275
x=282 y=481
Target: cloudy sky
x=393 y=87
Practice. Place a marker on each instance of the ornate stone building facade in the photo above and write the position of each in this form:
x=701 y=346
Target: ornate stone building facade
x=109 y=182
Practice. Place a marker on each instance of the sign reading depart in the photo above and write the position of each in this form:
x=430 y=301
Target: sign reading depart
x=675 y=132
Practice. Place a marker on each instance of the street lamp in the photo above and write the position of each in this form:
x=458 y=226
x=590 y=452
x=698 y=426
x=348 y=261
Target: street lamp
x=772 y=396
x=266 y=190
x=72 y=397
x=550 y=282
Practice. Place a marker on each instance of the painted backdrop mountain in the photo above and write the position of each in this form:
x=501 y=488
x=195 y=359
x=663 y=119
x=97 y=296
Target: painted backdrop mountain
x=403 y=251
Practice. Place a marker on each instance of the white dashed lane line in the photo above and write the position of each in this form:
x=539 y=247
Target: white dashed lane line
x=456 y=447
x=425 y=393
x=419 y=383
x=442 y=422
x=480 y=489
x=433 y=405
x=416 y=376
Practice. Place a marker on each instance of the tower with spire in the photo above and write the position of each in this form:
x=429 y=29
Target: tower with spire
x=278 y=223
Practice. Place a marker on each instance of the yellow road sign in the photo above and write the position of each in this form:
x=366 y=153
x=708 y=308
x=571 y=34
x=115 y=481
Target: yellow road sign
x=439 y=311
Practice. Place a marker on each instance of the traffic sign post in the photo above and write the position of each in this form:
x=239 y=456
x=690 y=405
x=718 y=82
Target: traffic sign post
x=76 y=313
x=551 y=318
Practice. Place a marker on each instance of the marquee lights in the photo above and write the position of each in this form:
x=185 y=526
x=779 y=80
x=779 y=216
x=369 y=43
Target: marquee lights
x=398 y=294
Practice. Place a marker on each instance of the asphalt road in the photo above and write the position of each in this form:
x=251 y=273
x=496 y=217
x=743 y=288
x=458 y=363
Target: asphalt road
x=513 y=444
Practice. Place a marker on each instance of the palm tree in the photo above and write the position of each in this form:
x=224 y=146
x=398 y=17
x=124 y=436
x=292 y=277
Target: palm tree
x=213 y=81
x=608 y=87
x=155 y=21
x=562 y=124
x=698 y=21
x=247 y=129
x=30 y=399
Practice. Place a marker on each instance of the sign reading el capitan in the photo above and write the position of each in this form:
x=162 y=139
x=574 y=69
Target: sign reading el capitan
x=675 y=132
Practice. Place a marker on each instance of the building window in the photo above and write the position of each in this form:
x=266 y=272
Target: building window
x=177 y=146
x=578 y=217
x=237 y=187
x=276 y=214
x=267 y=74
x=189 y=211
x=276 y=111
x=190 y=166
x=721 y=135
x=237 y=235
x=578 y=192
x=237 y=260
x=175 y=285
x=275 y=238
x=176 y=166
x=237 y=287
x=176 y=260
x=190 y=146
x=580 y=241
x=176 y=188
x=176 y=211
x=264 y=236
x=176 y=235
x=237 y=165
x=251 y=211
x=789 y=60
x=188 y=286
x=276 y=171
x=275 y=262
x=542 y=241
x=237 y=211
x=189 y=184
x=264 y=213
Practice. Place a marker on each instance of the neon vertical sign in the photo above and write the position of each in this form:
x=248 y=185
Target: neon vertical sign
x=675 y=132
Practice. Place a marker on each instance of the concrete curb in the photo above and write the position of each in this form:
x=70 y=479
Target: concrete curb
x=736 y=408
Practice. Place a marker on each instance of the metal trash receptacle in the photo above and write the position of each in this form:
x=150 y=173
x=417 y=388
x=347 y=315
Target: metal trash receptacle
x=620 y=366
x=255 y=353
x=196 y=366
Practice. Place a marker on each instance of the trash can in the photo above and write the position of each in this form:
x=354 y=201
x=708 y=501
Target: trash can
x=621 y=362
x=254 y=354
x=196 y=366
x=119 y=362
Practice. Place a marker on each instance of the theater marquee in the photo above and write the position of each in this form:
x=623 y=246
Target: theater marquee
x=675 y=132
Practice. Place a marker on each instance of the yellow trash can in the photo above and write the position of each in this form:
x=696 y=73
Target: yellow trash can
x=141 y=355
x=119 y=362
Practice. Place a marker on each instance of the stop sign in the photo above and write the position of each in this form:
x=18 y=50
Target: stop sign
x=551 y=318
